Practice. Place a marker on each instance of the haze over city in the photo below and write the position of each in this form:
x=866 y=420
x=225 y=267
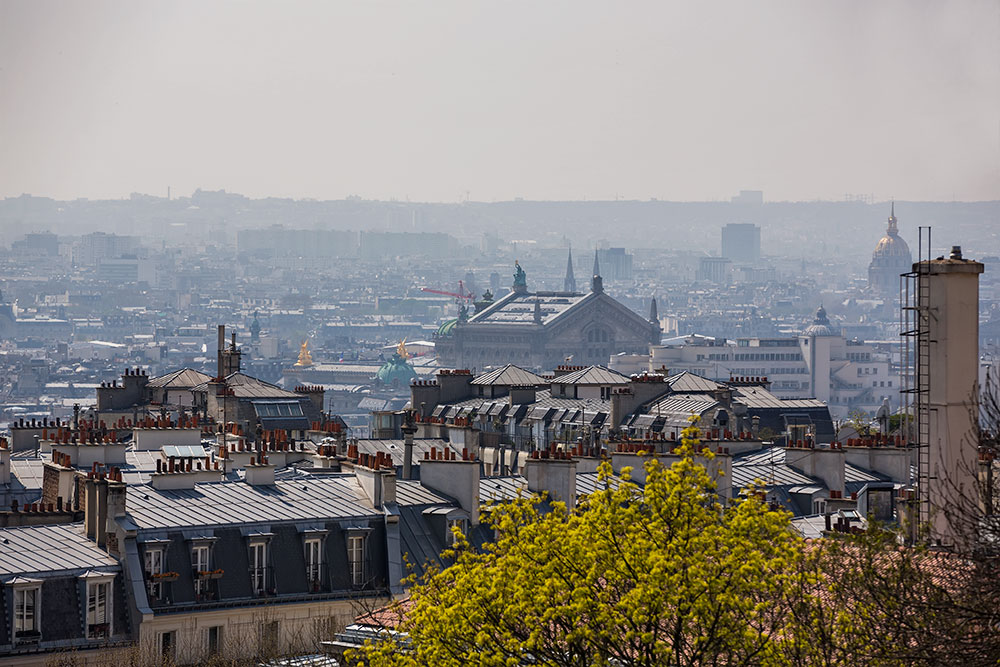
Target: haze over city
x=541 y=334
x=448 y=101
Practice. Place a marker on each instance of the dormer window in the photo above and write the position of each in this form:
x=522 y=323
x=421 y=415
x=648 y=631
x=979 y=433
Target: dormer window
x=97 y=591
x=201 y=563
x=27 y=608
x=461 y=524
x=314 y=563
x=356 y=559
x=154 y=571
x=259 y=565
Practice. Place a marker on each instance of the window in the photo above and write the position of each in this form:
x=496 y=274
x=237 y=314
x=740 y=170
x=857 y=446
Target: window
x=213 y=639
x=258 y=567
x=26 y=613
x=200 y=563
x=98 y=614
x=452 y=524
x=154 y=566
x=167 y=643
x=356 y=559
x=314 y=562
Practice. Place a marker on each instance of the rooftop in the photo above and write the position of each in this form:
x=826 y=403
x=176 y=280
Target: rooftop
x=32 y=550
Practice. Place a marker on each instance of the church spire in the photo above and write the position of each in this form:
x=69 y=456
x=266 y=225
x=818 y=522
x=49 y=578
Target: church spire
x=596 y=283
x=653 y=315
x=569 y=284
x=893 y=228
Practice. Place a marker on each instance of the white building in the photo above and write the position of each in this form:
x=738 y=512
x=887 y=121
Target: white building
x=819 y=363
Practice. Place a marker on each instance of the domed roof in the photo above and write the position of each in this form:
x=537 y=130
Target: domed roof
x=447 y=328
x=396 y=370
x=892 y=244
x=820 y=326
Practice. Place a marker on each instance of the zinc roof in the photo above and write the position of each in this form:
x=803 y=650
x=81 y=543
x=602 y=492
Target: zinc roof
x=227 y=503
x=180 y=379
x=29 y=550
x=509 y=376
x=758 y=397
x=244 y=386
x=396 y=448
x=594 y=375
x=411 y=492
x=689 y=382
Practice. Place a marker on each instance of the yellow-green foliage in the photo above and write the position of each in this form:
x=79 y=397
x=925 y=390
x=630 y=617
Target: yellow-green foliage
x=663 y=574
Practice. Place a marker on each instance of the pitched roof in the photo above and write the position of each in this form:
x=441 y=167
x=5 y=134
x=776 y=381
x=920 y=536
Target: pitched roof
x=184 y=378
x=509 y=376
x=759 y=397
x=28 y=550
x=245 y=386
x=689 y=382
x=593 y=375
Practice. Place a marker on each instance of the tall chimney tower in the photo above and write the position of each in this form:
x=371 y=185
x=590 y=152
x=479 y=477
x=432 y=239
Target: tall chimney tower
x=952 y=367
x=222 y=345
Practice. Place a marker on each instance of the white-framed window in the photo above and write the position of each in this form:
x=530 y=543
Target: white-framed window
x=154 y=566
x=450 y=534
x=314 y=562
x=356 y=559
x=201 y=562
x=213 y=639
x=258 y=566
x=99 y=609
x=27 y=604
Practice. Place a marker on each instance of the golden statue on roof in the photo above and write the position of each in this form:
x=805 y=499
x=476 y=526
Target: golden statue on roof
x=401 y=350
x=305 y=357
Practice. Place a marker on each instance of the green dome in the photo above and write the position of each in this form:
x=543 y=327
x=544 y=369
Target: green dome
x=397 y=371
x=447 y=328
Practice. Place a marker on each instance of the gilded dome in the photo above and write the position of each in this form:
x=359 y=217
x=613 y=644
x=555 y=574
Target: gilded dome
x=892 y=244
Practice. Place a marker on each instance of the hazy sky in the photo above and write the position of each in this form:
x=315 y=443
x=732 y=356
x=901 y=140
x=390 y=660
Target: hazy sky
x=436 y=100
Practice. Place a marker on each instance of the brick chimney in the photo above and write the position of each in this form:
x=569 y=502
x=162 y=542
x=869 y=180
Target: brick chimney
x=377 y=476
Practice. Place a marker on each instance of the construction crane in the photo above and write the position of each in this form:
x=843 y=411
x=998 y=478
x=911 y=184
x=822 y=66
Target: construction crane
x=461 y=296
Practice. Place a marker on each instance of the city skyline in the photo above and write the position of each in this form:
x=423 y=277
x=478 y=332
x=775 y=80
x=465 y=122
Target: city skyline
x=473 y=101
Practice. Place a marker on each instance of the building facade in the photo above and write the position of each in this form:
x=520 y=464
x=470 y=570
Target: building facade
x=541 y=330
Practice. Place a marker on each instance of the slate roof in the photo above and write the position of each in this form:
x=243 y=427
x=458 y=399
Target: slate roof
x=184 y=378
x=230 y=503
x=592 y=375
x=509 y=376
x=31 y=550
